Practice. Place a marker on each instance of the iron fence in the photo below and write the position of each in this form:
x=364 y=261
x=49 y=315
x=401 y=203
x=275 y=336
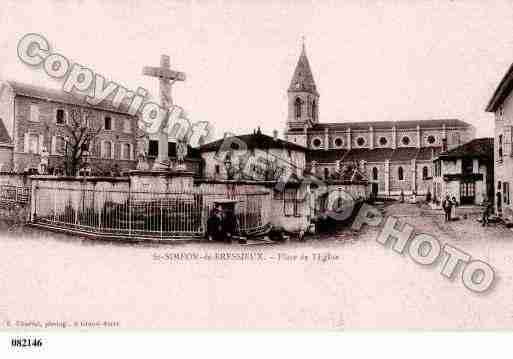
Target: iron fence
x=145 y=214
x=14 y=194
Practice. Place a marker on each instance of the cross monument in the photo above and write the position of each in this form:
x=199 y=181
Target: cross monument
x=167 y=78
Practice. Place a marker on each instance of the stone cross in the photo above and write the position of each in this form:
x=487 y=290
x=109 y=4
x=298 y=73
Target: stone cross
x=167 y=78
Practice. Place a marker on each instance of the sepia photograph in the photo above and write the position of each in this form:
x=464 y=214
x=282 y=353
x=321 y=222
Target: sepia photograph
x=255 y=165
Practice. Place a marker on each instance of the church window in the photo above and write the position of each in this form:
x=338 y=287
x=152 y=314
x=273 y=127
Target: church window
x=338 y=142
x=317 y=142
x=431 y=139
x=326 y=173
x=425 y=172
x=297 y=108
x=400 y=174
x=217 y=169
x=374 y=174
x=314 y=110
x=360 y=141
x=406 y=140
x=383 y=141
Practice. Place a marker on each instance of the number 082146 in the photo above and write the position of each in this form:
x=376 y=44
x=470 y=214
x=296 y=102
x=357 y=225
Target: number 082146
x=26 y=342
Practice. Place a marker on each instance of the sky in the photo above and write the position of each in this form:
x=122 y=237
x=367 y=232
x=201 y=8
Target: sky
x=372 y=60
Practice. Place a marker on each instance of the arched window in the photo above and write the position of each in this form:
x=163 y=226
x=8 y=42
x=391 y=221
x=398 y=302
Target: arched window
x=375 y=174
x=400 y=174
x=425 y=172
x=326 y=172
x=314 y=110
x=297 y=108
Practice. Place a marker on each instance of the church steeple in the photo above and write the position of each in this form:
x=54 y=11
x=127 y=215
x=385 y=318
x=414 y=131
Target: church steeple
x=303 y=96
x=303 y=79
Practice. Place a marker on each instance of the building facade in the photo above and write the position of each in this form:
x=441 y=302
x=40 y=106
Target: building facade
x=395 y=155
x=501 y=105
x=252 y=157
x=34 y=119
x=465 y=173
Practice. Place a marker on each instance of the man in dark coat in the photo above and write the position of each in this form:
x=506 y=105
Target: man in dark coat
x=215 y=225
x=486 y=212
x=230 y=225
x=447 y=207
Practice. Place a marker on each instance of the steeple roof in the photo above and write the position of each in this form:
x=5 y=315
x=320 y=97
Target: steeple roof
x=303 y=79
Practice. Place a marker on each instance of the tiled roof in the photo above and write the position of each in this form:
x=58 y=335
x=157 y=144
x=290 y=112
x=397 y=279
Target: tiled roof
x=424 y=124
x=502 y=91
x=477 y=148
x=328 y=156
x=368 y=155
x=49 y=94
x=303 y=76
x=4 y=135
x=255 y=140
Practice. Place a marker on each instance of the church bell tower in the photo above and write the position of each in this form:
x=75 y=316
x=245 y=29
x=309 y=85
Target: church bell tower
x=303 y=98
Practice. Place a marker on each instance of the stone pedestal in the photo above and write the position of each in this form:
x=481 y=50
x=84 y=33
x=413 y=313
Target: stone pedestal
x=161 y=181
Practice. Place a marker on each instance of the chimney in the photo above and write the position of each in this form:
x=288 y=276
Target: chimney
x=444 y=144
x=275 y=135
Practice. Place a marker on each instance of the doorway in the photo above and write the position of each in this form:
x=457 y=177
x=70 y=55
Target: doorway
x=467 y=192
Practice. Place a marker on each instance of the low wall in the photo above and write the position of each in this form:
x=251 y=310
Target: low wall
x=57 y=192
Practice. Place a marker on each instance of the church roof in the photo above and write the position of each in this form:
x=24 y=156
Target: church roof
x=409 y=124
x=303 y=79
x=254 y=140
x=374 y=155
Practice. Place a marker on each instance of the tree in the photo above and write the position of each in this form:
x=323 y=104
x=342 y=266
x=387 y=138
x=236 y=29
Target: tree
x=81 y=130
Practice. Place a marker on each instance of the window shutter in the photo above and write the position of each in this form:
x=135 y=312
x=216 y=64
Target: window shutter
x=41 y=143
x=509 y=140
x=131 y=151
x=102 y=149
x=112 y=149
x=53 y=145
x=26 y=143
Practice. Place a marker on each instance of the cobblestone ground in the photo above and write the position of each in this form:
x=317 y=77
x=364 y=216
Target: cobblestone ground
x=361 y=285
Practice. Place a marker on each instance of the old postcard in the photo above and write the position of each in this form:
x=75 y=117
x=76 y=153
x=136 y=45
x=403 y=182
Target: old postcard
x=255 y=165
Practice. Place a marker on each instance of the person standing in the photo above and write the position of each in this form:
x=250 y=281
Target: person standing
x=230 y=225
x=486 y=212
x=447 y=207
x=215 y=225
x=454 y=204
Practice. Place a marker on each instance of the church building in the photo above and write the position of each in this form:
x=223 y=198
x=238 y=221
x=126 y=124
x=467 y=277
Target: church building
x=396 y=156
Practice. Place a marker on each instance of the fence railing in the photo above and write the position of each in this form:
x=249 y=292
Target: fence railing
x=14 y=194
x=143 y=214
